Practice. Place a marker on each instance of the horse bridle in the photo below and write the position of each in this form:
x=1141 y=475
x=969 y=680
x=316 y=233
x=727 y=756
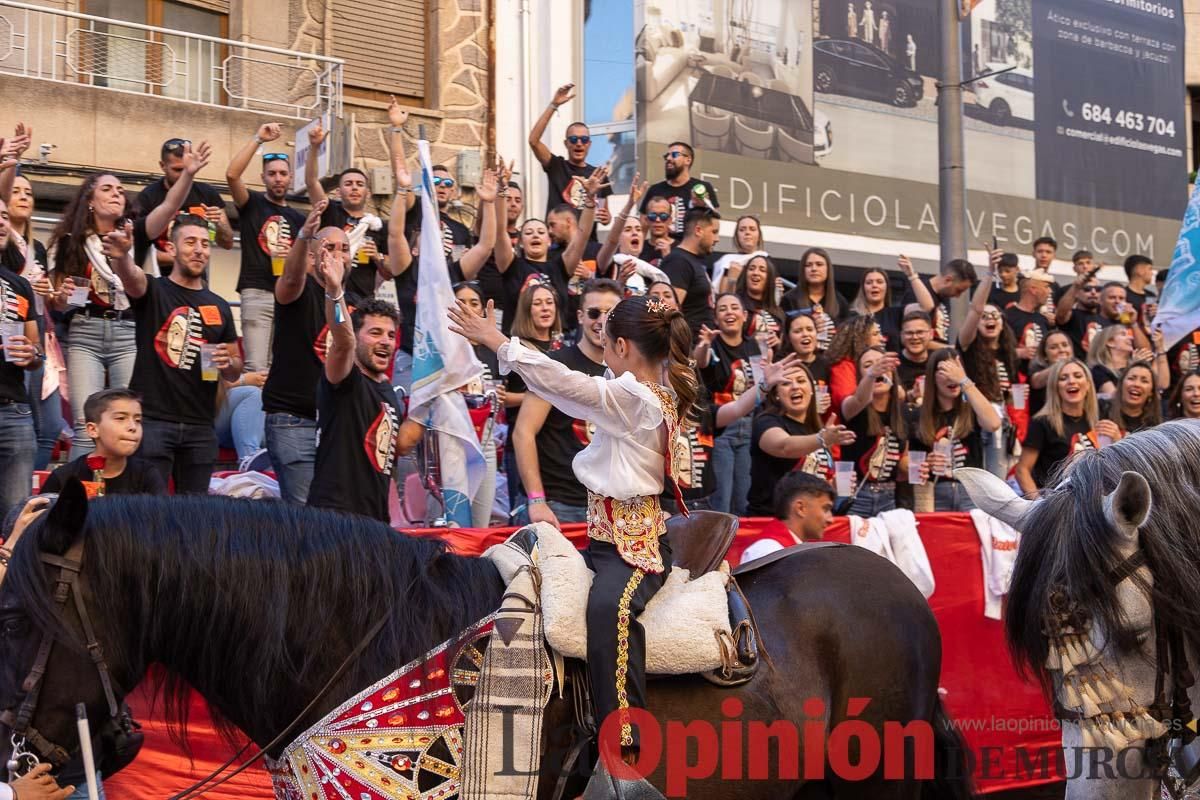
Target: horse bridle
x=66 y=587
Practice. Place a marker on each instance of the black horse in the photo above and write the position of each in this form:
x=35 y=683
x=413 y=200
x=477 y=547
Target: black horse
x=257 y=604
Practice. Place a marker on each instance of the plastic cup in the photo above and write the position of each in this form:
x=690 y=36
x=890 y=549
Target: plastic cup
x=1103 y=441
x=499 y=315
x=79 y=296
x=843 y=476
x=915 y=459
x=208 y=368
x=1020 y=393
x=756 y=368
x=361 y=256
x=8 y=330
x=946 y=451
x=277 y=265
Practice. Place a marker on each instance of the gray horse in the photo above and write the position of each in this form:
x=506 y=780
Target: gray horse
x=1103 y=605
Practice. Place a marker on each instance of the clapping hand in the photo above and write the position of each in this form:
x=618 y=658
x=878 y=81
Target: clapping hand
x=834 y=434
x=596 y=181
x=476 y=328
x=706 y=335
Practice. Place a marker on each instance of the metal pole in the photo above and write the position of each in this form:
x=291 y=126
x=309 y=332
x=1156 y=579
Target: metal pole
x=952 y=213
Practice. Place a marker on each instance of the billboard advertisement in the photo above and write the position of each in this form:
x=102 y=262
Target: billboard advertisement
x=821 y=115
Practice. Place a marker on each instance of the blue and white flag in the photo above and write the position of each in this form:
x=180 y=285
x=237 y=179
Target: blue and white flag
x=1179 y=307
x=443 y=362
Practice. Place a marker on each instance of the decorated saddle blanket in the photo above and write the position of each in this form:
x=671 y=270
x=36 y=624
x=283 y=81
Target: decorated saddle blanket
x=682 y=621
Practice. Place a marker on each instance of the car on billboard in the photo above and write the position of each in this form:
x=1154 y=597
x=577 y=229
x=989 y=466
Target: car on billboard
x=1006 y=96
x=822 y=134
x=848 y=66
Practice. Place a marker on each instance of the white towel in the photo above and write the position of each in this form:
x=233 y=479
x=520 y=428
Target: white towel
x=893 y=535
x=724 y=262
x=95 y=253
x=358 y=234
x=998 y=551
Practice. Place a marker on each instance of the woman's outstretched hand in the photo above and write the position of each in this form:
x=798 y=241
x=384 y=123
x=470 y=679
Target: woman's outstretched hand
x=466 y=322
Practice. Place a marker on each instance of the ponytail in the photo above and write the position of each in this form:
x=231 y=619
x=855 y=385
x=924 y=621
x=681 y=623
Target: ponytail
x=680 y=372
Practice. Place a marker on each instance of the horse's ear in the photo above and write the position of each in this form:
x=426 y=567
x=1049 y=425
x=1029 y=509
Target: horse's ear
x=994 y=496
x=1127 y=506
x=66 y=519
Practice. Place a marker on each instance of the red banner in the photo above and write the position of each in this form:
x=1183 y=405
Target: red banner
x=1006 y=722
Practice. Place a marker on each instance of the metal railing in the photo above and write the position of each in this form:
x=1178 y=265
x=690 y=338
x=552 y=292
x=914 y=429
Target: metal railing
x=82 y=49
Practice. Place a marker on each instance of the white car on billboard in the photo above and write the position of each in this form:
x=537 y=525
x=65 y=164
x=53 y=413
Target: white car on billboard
x=1007 y=96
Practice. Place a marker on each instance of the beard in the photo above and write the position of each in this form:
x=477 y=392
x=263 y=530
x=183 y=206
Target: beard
x=673 y=171
x=365 y=355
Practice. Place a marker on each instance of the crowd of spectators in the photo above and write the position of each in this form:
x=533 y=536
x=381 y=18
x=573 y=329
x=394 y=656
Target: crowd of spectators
x=120 y=359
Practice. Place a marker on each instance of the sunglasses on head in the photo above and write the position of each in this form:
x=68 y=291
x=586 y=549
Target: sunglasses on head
x=658 y=216
x=465 y=285
x=673 y=154
x=175 y=145
x=594 y=313
x=447 y=182
x=268 y=157
x=579 y=139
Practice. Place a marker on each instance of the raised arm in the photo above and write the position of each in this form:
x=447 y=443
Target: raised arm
x=985 y=412
x=970 y=324
x=241 y=159
x=920 y=290
x=159 y=218
x=474 y=259
x=534 y=411
x=855 y=403
x=11 y=150
x=562 y=95
x=339 y=357
x=118 y=245
x=312 y=181
x=504 y=249
x=613 y=240
x=399 y=254
x=575 y=248
x=290 y=285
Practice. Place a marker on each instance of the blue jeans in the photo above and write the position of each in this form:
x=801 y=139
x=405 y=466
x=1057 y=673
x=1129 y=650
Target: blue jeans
x=292 y=444
x=100 y=355
x=951 y=496
x=731 y=465
x=80 y=792
x=181 y=451
x=16 y=454
x=873 y=499
x=47 y=417
x=240 y=420
x=568 y=513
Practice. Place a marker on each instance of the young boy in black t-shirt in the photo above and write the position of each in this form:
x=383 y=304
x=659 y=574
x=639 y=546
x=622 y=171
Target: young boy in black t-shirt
x=114 y=424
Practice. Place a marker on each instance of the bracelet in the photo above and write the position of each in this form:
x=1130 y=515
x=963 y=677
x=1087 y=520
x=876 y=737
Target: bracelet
x=966 y=383
x=622 y=215
x=259 y=140
x=394 y=129
x=502 y=194
x=536 y=495
x=337 y=299
x=403 y=190
x=821 y=439
x=913 y=277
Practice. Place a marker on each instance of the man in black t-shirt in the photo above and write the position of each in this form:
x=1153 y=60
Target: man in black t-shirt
x=686 y=267
x=657 y=216
x=349 y=212
x=1009 y=290
x=1139 y=271
x=268 y=226
x=289 y=397
x=202 y=200
x=682 y=191
x=20 y=354
x=545 y=439
x=456 y=237
x=358 y=415
x=916 y=333
x=186 y=341
x=1025 y=318
x=956 y=277
x=566 y=175
x=114 y=424
x=1077 y=314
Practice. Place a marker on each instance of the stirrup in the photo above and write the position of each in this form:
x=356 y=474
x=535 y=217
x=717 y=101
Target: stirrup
x=739 y=647
x=603 y=786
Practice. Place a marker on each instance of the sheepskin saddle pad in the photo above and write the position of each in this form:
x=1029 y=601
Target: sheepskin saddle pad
x=684 y=621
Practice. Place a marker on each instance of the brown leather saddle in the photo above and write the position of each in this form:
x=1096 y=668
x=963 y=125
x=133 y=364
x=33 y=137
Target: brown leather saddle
x=699 y=543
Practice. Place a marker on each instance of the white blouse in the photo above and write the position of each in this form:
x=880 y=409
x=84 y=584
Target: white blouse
x=625 y=457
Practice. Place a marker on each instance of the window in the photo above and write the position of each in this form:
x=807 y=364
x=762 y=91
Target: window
x=383 y=45
x=607 y=89
x=136 y=60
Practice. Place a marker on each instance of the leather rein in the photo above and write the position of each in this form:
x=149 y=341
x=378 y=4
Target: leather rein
x=66 y=587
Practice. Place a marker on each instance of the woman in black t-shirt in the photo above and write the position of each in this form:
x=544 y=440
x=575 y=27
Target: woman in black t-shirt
x=724 y=357
x=952 y=416
x=787 y=435
x=1055 y=346
x=1110 y=352
x=1136 y=403
x=875 y=412
x=756 y=286
x=816 y=289
x=989 y=349
x=1069 y=423
x=801 y=339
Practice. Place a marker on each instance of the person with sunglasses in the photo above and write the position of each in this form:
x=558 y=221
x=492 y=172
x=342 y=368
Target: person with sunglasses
x=1078 y=313
x=657 y=221
x=456 y=237
x=268 y=226
x=202 y=200
x=683 y=192
x=566 y=175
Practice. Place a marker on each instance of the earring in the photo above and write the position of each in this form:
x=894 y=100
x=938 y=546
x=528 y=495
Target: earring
x=91 y=208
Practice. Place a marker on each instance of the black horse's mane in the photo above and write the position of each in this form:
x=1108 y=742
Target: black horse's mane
x=239 y=598
x=1068 y=544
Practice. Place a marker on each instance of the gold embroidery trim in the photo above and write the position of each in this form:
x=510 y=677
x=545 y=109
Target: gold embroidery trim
x=633 y=526
x=623 y=620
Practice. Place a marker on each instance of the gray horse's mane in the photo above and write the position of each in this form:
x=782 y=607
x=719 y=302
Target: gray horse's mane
x=1069 y=545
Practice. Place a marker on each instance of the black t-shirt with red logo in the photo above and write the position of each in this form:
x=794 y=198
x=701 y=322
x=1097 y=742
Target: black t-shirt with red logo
x=1053 y=448
x=875 y=457
x=335 y=215
x=173 y=322
x=16 y=305
x=692 y=468
x=562 y=437
x=1082 y=326
x=263 y=225
x=766 y=470
x=153 y=196
x=966 y=452
x=358 y=421
x=728 y=373
x=941 y=311
x=297 y=352
x=1029 y=327
x=566 y=183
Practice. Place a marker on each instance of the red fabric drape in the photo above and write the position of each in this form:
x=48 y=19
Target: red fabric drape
x=1006 y=722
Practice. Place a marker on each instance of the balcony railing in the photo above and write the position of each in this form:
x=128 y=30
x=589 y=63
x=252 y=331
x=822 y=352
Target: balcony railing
x=68 y=47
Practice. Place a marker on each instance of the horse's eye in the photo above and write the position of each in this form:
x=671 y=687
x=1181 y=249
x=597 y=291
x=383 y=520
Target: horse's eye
x=12 y=628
